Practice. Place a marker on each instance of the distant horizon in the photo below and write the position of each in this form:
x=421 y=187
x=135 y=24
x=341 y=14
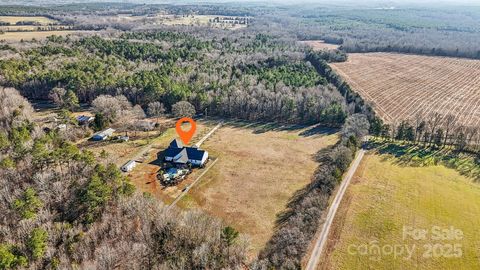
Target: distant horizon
x=378 y=3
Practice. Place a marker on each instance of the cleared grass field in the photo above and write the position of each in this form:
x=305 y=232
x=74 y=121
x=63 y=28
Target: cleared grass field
x=259 y=168
x=387 y=202
x=400 y=86
x=196 y=20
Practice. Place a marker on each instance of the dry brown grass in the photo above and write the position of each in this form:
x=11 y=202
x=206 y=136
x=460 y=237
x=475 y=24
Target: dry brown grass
x=13 y=28
x=255 y=176
x=20 y=28
x=121 y=152
x=401 y=86
x=319 y=45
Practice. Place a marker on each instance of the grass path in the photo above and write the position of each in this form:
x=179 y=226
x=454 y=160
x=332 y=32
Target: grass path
x=322 y=238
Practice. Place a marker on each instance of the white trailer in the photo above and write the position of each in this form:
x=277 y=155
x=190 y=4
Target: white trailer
x=128 y=166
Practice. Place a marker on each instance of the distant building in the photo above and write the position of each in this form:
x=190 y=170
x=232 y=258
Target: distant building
x=128 y=166
x=103 y=135
x=84 y=119
x=179 y=154
x=123 y=138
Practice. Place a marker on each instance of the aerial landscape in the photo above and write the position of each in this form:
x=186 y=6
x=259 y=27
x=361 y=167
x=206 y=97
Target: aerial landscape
x=239 y=135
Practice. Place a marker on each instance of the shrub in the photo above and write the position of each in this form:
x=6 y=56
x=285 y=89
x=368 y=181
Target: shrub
x=9 y=259
x=37 y=243
x=28 y=205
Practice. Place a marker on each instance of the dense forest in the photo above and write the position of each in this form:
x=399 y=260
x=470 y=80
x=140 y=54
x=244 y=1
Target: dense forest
x=441 y=30
x=248 y=76
x=62 y=208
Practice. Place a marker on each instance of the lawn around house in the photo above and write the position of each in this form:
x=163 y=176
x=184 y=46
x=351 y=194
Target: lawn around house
x=388 y=201
x=144 y=175
x=259 y=169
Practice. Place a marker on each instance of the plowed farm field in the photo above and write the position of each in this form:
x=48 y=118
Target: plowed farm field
x=400 y=86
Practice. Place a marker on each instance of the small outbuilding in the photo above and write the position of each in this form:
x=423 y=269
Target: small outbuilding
x=123 y=138
x=103 y=135
x=128 y=166
x=84 y=119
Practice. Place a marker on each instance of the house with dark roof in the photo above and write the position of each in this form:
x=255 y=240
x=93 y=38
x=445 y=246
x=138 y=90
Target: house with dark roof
x=179 y=154
x=177 y=143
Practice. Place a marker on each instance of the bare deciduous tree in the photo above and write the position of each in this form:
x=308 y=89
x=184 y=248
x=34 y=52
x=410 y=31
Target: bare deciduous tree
x=183 y=109
x=14 y=108
x=116 y=108
x=448 y=124
x=155 y=109
x=57 y=95
x=433 y=122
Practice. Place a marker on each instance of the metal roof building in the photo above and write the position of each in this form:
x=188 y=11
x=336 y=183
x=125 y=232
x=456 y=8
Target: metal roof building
x=103 y=135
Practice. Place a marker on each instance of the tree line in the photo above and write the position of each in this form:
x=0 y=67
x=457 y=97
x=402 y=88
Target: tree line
x=432 y=130
x=422 y=30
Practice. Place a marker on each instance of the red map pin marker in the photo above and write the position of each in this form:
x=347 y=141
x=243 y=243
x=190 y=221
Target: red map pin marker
x=185 y=135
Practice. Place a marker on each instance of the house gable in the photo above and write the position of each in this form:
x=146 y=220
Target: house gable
x=176 y=144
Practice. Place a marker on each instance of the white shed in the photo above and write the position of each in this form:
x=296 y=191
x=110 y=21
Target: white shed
x=100 y=136
x=128 y=166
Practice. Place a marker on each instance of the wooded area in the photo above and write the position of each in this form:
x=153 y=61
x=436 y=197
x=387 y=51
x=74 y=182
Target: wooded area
x=252 y=77
x=63 y=206
x=443 y=30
